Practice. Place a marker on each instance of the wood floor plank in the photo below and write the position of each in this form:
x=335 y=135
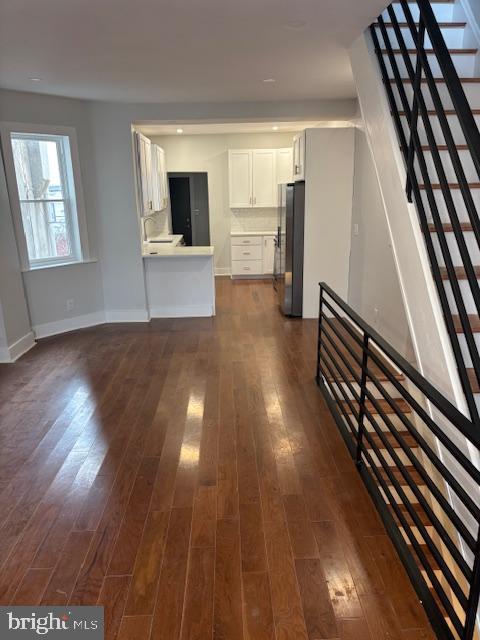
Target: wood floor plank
x=252 y=537
x=302 y=537
x=339 y=579
x=171 y=587
x=63 y=579
x=141 y=598
x=126 y=547
x=32 y=587
x=113 y=597
x=317 y=606
x=228 y=619
x=135 y=628
x=197 y=621
x=258 y=612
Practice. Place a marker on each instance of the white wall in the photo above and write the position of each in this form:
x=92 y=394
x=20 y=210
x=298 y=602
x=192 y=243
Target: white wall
x=328 y=213
x=433 y=351
x=210 y=153
x=82 y=283
x=373 y=281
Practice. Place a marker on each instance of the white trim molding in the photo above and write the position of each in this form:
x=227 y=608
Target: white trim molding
x=126 y=315
x=223 y=271
x=183 y=311
x=16 y=350
x=69 y=324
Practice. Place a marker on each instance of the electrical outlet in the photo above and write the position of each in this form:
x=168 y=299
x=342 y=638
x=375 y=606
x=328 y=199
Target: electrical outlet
x=375 y=316
x=70 y=304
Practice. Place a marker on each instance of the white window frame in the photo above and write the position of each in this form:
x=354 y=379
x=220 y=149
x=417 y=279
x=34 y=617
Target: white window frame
x=76 y=205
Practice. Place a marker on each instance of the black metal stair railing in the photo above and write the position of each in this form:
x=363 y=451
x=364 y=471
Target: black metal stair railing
x=381 y=404
x=424 y=87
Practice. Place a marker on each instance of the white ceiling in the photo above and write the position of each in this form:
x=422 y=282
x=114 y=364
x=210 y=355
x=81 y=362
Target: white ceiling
x=161 y=129
x=182 y=50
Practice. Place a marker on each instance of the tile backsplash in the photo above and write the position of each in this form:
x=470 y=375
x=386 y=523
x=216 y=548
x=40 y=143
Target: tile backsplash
x=254 y=219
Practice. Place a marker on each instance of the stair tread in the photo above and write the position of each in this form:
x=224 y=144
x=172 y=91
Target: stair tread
x=418 y=510
x=448 y=227
x=444 y=147
x=451 y=185
x=463 y=80
x=403 y=406
x=474 y=323
x=473 y=380
x=397 y=474
x=448 y=112
x=454 y=52
x=406 y=437
x=459 y=272
x=442 y=25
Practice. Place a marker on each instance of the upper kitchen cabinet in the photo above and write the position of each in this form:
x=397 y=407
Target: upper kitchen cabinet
x=264 y=179
x=240 y=178
x=299 y=156
x=144 y=172
x=151 y=175
x=159 y=181
x=284 y=165
x=253 y=177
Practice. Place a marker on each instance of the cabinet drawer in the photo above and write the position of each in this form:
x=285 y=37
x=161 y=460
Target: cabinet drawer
x=244 y=240
x=247 y=267
x=246 y=252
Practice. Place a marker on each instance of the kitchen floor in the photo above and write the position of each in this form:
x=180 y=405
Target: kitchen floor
x=187 y=475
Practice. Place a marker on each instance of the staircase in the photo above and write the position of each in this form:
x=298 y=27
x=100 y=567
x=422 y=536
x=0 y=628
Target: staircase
x=435 y=102
x=430 y=65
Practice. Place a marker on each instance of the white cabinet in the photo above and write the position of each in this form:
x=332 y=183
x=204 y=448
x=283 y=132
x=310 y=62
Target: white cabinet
x=268 y=254
x=240 y=178
x=159 y=179
x=252 y=178
x=252 y=255
x=151 y=175
x=144 y=172
x=264 y=182
x=284 y=165
x=299 y=156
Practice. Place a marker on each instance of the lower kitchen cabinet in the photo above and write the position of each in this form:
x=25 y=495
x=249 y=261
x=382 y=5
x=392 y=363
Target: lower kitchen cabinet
x=252 y=255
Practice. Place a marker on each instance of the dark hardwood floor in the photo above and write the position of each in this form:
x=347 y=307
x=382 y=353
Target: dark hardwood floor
x=186 y=474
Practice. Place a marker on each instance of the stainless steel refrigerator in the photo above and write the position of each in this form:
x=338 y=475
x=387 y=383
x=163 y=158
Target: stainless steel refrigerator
x=288 y=264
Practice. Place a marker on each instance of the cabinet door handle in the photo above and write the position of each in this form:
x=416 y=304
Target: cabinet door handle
x=246 y=253
x=246 y=268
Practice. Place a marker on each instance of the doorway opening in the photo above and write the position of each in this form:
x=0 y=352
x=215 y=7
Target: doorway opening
x=189 y=207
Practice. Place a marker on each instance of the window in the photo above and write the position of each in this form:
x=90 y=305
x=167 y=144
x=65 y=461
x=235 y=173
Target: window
x=47 y=219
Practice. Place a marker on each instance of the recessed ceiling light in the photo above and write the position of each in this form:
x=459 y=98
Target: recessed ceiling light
x=275 y=128
x=35 y=79
x=295 y=24
x=269 y=80
x=179 y=130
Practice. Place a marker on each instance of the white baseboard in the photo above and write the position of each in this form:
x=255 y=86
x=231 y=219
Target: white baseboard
x=222 y=271
x=69 y=324
x=4 y=355
x=126 y=315
x=184 y=311
x=21 y=346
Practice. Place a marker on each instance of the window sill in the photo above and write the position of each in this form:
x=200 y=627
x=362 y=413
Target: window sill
x=59 y=265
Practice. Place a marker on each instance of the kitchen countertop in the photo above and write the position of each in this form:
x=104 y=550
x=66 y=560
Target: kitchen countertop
x=176 y=239
x=253 y=233
x=169 y=251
